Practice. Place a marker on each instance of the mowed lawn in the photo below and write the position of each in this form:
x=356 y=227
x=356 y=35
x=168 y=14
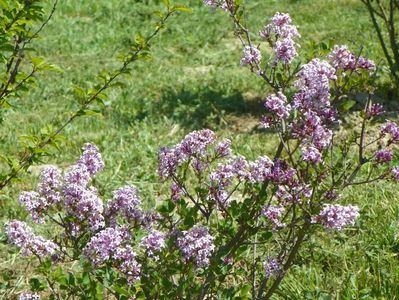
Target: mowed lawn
x=194 y=81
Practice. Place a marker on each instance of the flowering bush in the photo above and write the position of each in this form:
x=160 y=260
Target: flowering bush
x=230 y=228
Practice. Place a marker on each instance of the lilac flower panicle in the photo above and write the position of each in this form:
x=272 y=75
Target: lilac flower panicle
x=251 y=55
x=223 y=177
x=274 y=213
x=84 y=204
x=285 y=50
x=313 y=81
x=266 y=32
x=260 y=170
x=168 y=160
x=383 y=156
x=281 y=34
x=281 y=19
x=272 y=267
x=395 y=173
x=281 y=173
x=337 y=216
x=194 y=144
x=126 y=202
x=91 y=159
x=281 y=24
x=127 y=263
x=103 y=245
x=278 y=105
x=311 y=154
x=392 y=129
x=29 y=296
x=21 y=235
x=322 y=137
x=366 y=64
x=196 y=244
x=266 y=121
x=153 y=242
x=223 y=148
x=376 y=110
x=50 y=184
x=34 y=204
x=342 y=58
x=77 y=175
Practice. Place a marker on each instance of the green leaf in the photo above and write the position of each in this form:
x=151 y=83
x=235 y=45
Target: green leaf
x=183 y=8
x=166 y=3
x=346 y=105
x=88 y=112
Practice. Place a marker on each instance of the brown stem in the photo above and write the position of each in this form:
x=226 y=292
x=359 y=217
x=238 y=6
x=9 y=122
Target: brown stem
x=288 y=263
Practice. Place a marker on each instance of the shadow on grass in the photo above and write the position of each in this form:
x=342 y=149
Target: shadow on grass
x=195 y=109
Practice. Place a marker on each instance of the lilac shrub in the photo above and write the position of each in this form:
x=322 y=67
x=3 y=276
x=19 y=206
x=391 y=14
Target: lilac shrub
x=228 y=226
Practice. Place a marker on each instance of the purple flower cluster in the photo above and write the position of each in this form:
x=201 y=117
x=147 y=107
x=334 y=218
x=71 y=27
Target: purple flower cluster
x=285 y=51
x=277 y=104
x=34 y=204
x=126 y=202
x=311 y=154
x=153 y=242
x=84 y=204
x=281 y=34
x=392 y=130
x=125 y=259
x=223 y=149
x=103 y=245
x=375 y=110
x=251 y=55
x=196 y=244
x=29 y=296
x=314 y=86
x=383 y=156
x=337 y=216
x=109 y=245
x=21 y=235
x=395 y=173
x=342 y=59
x=274 y=213
x=91 y=159
x=260 y=170
x=272 y=267
x=37 y=203
x=223 y=177
x=80 y=200
x=280 y=26
x=194 y=145
x=315 y=112
x=50 y=185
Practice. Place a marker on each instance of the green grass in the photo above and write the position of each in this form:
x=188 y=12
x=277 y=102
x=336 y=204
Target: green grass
x=193 y=81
